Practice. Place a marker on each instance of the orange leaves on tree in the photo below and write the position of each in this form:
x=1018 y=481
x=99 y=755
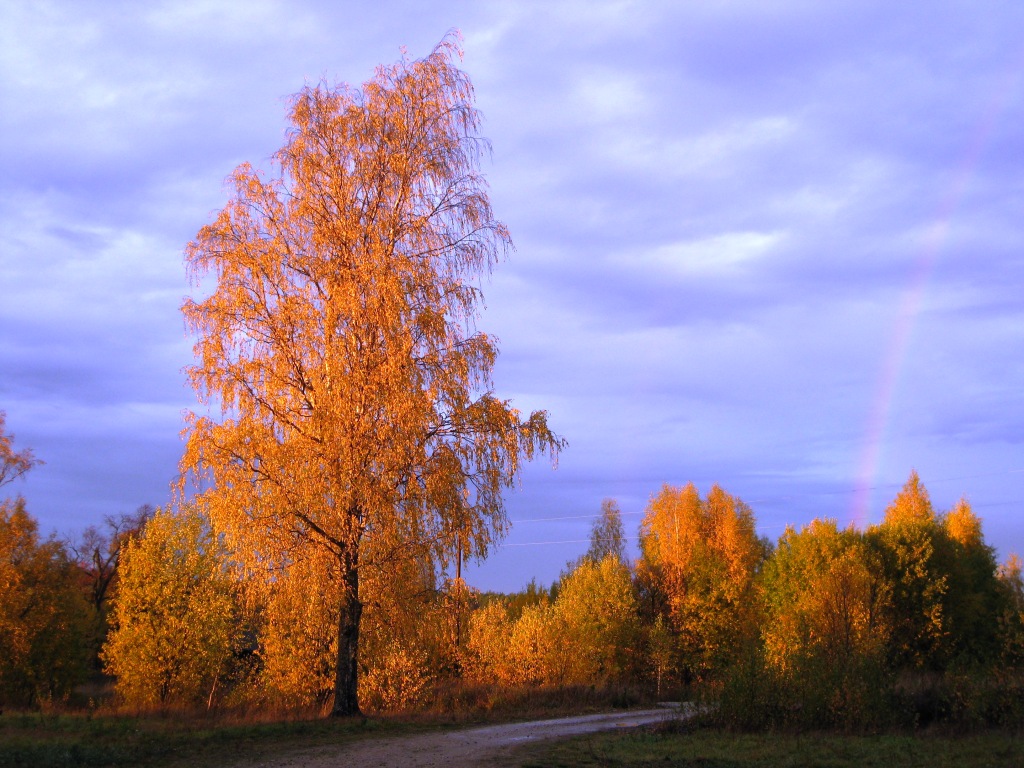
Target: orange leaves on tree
x=339 y=342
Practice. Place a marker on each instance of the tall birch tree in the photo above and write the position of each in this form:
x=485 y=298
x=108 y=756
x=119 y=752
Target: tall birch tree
x=350 y=405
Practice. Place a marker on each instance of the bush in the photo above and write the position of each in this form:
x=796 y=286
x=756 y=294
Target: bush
x=963 y=700
x=815 y=692
x=398 y=683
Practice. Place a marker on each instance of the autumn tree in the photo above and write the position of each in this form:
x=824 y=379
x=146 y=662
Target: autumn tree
x=596 y=617
x=699 y=558
x=946 y=594
x=13 y=464
x=173 y=623
x=975 y=598
x=43 y=617
x=824 y=627
x=588 y=635
x=510 y=650
x=339 y=344
x=607 y=536
x=909 y=539
x=824 y=595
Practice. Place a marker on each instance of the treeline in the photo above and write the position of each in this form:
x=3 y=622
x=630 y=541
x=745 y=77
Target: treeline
x=907 y=621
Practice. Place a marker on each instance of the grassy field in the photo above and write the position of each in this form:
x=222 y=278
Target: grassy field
x=83 y=740
x=717 y=749
x=80 y=741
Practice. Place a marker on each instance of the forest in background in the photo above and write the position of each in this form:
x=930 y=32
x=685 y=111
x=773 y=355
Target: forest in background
x=907 y=622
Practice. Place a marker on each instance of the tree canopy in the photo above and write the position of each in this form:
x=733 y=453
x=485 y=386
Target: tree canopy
x=356 y=414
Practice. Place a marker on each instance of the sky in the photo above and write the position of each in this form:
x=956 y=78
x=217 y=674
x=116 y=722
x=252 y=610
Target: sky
x=774 y=246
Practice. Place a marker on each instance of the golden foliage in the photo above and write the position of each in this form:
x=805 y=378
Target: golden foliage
x=398 y=681
x=407 y=621
x=298 y=637
x=699 y=559
x=510 y=652
x=589 y=635
x=911 y=537
x=338 y=342
x=824 y=596
x=174 y=614
x=13 y=465
x=963 y=526
x=597 y=619
x=911 y=505
x=43 y=616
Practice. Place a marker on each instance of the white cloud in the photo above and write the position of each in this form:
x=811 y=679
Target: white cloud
x=720 y=255
x=718 y=209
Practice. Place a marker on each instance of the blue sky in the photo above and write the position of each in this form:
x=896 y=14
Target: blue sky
x=777 y=248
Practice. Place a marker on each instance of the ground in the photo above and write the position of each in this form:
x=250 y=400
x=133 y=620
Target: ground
x=492 y=745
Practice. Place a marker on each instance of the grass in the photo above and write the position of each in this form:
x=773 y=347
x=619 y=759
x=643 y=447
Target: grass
x=176 y=740
x=83 y=741
x=720 y=749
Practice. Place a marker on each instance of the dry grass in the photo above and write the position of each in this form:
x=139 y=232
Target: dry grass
x=109 y=736
x=719 y=749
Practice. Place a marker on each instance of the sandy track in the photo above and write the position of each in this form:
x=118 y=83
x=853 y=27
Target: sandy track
x=490 y=745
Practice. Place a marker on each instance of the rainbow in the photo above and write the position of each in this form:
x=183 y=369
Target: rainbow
x=913 y=300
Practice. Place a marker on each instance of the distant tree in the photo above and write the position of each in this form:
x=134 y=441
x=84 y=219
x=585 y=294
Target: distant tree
x=697 y=567
x=596 y=616
x=338 y=343
x=910 y=539
x=1011 y=620
x=607 y=536
x=43 y=617
x=174 y=615
x=946 y=597
x=974 y=598
x=13 y=465
x=514 y=651
x=96 y=554
x=824 y=597
x=532 y=594
x=912 y=505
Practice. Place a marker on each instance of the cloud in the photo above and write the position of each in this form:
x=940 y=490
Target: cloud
x=718 y=209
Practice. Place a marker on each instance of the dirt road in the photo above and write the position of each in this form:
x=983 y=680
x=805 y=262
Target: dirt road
x=490 y=745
